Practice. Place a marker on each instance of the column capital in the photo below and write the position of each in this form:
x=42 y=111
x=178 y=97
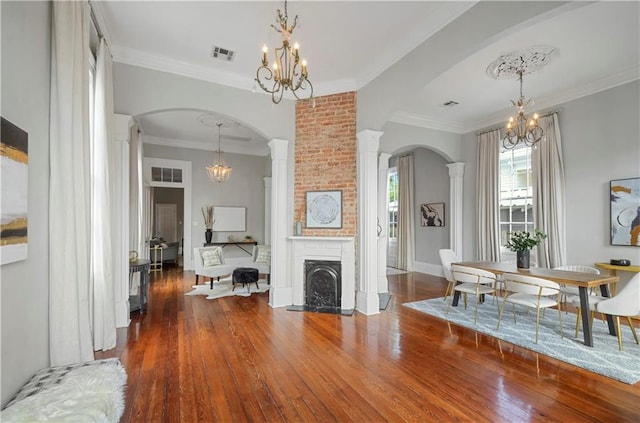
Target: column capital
x=456 y=170
x=278 y=148
x=369 y=140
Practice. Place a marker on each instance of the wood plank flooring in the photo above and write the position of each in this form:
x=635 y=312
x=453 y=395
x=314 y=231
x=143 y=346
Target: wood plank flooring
x=235 y=359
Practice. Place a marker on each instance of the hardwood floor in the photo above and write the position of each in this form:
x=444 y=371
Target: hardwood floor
x=235 y=359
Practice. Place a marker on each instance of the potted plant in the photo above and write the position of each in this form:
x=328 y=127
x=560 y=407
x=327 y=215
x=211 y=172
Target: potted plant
x=207 y=214
x=522 y=242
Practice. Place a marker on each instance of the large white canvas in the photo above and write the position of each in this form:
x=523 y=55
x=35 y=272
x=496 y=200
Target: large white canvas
x=13 y=205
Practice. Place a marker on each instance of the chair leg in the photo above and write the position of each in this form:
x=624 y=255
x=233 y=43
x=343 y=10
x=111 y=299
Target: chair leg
x=537 y=322
x=633 y=329
x=500 y=315
x=560 y=319
x=619 y=332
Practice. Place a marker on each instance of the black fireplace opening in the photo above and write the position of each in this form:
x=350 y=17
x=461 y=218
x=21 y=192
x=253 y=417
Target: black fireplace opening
x=323 y=286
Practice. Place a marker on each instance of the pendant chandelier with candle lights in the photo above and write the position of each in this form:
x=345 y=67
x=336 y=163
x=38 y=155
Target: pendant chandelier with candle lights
x=288 y=72
x=521 y=128
x=219 y=171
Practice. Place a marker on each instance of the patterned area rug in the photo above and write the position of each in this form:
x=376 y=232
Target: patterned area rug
x=604 y=358
x=224 y=289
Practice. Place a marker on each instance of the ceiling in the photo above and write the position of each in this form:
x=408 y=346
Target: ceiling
x=349 y=44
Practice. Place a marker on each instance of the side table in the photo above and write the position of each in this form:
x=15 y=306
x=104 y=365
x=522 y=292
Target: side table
x=139 y=301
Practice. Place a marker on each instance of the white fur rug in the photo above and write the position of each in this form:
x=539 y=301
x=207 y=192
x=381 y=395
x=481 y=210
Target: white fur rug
x=85 y=394
x=224 y=287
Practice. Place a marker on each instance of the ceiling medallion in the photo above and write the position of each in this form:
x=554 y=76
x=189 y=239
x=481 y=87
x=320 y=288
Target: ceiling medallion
x=512 y=64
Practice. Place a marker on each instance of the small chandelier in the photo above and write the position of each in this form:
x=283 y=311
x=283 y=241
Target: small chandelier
x=288 y=72
x=522 y=128
x=219 y=171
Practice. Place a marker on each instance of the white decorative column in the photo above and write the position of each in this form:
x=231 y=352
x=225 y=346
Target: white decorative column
x=456 y=173
x=383 y=221
x=367 y=301
x=120 y=235
x=267 y=210
x=281 y=293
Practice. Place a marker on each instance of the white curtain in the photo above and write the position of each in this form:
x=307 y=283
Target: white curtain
x=549 y=193
x=405 y=213
x=69 y=186
x=136 y=194
x=103 y=209
x=488 y=196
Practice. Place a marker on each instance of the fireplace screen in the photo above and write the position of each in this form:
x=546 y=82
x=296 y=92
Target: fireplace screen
x=323 y=287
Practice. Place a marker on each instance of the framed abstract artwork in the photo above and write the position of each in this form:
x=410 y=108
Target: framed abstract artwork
x=14 y=166
x=624 y=197
x=324 y=209
x=432 y=214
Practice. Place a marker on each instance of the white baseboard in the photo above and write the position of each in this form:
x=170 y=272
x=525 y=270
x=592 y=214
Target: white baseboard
x=428 y=268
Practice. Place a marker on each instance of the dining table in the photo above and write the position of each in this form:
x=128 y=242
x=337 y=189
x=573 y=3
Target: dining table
x=584 y=281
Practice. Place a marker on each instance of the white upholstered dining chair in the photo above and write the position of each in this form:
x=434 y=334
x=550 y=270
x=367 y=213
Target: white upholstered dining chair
x=568 y=292
x=448 y=256
x=530 y=292
x=473 y=281
x=625 y=303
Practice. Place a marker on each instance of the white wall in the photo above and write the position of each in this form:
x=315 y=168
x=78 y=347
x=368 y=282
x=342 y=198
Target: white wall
x=244 y=188
x=26 y=28
x=431 y=185
x=600 y=139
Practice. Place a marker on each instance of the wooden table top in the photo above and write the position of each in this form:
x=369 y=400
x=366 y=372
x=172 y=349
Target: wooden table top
x=632 y=268
x=579 y=279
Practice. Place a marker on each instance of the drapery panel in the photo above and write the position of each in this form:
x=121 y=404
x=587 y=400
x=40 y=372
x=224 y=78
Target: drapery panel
x=549 y=193
x=136 y=193
x=488 y=196
x=405 y=213
x=69 y=186
x=103 y=210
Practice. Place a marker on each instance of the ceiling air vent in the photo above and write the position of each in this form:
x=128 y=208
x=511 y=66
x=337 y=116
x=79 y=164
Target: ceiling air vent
x=450 y=103
x=222 y=53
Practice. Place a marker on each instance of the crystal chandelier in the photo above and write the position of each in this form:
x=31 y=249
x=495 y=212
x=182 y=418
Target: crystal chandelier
x=219 y=171
x=288 y=72
x=522 y=128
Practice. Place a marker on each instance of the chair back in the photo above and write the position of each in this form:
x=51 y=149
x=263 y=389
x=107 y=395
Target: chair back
x=472 y=275
x=447 y=257
x=197 y=256
x=529 y=285
x=626 y=302
x=578 y=268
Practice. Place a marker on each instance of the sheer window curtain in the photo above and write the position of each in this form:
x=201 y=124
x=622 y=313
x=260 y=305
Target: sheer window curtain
x=405 y=213
x=102 y=211
x=549 y=193
x=488 y=196
x=69 y=187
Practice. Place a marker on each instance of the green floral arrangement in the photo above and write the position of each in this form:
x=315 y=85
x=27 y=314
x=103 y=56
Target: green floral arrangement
x=524 y=241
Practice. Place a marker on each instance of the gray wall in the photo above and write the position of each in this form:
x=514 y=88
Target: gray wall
x=26 y=28
x=244 y=188
x=431 y=185
x=600 y=142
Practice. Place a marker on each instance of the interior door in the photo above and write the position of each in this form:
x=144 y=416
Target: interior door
x=166 y=216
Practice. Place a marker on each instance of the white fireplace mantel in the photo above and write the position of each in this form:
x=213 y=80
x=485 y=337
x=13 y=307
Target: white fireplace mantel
x=340 y=249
